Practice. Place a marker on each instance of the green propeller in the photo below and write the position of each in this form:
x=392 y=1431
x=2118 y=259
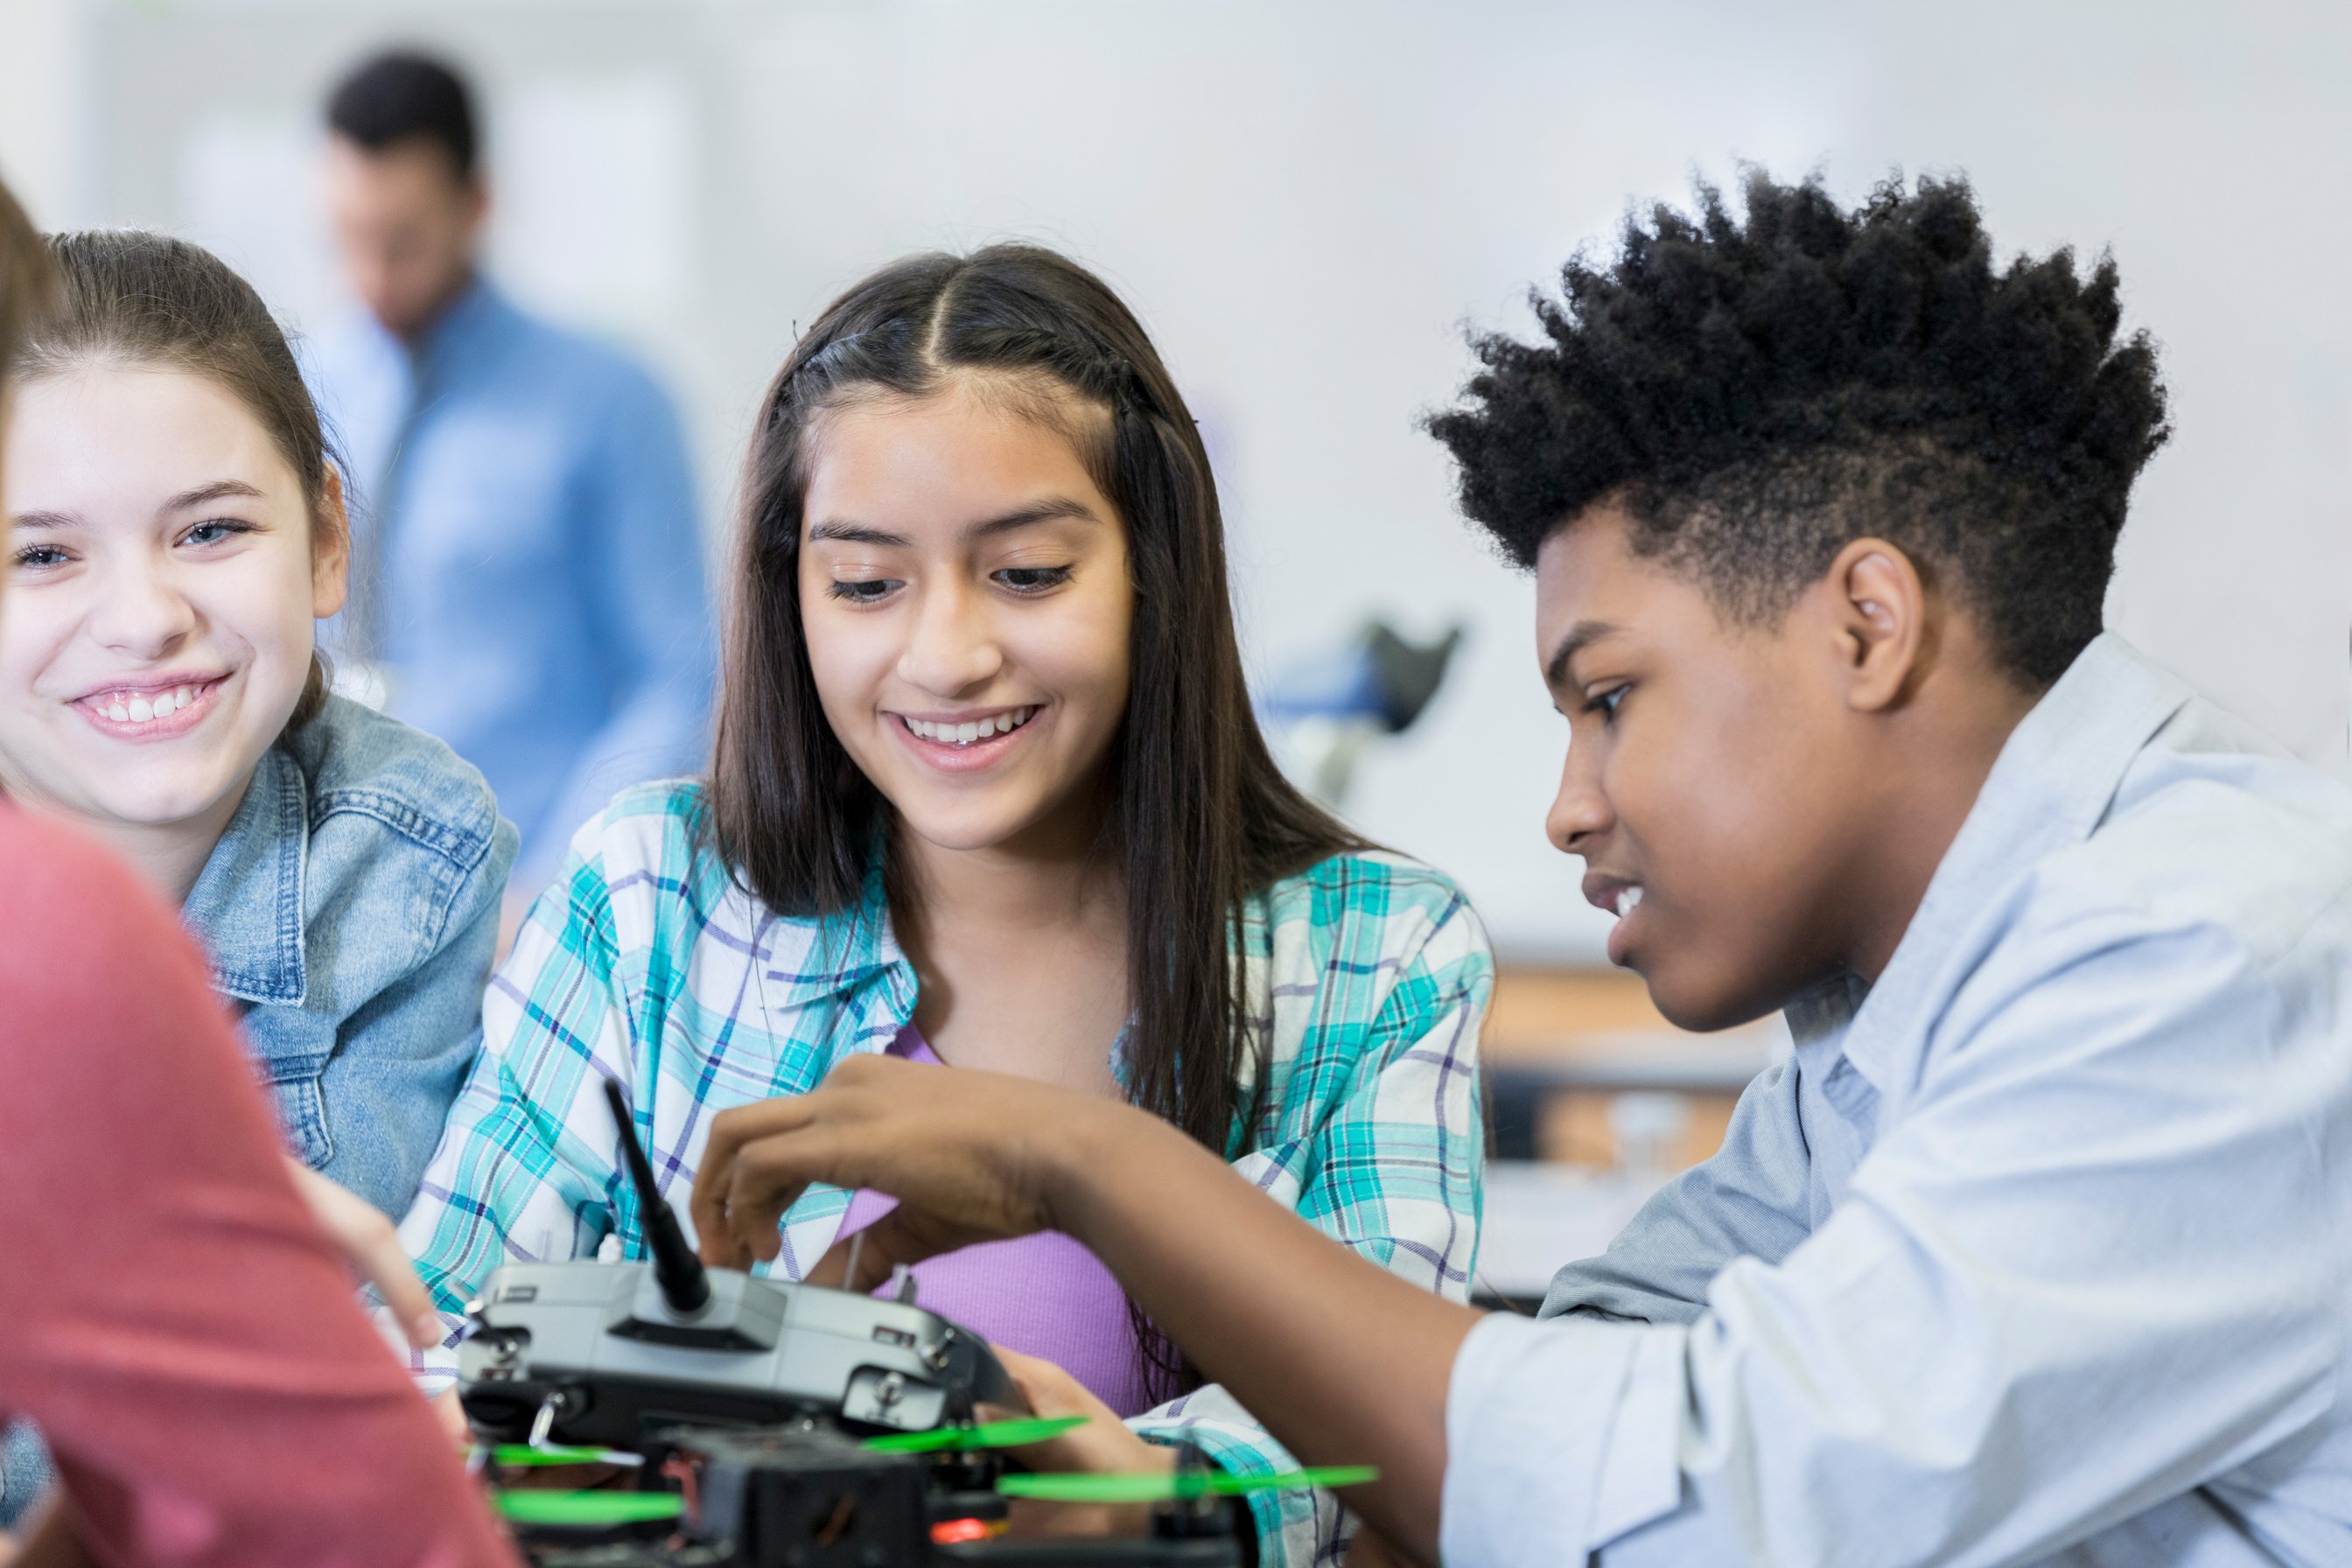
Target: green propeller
x=520 y=1455
x=587 y=1509
x=1176 y=1485
x=988 y=1434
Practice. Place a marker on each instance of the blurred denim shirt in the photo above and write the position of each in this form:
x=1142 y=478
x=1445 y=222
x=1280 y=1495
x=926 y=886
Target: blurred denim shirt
x=530 y=576
x=350 y=913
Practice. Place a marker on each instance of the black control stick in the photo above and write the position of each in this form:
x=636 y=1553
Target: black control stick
x=677 y=1269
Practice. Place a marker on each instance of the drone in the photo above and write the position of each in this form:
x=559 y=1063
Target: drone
x=729 y=1421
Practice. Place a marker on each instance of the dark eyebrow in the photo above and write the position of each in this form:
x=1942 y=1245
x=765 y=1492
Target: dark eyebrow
x=1582 y=635
x=856 y=533
x=219 y=489
x=1046 y=511
x=202 y=495
x=1041 y=511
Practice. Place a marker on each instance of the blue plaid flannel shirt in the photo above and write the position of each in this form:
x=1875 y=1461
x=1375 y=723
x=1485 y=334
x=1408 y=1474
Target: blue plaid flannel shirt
x=646 y=962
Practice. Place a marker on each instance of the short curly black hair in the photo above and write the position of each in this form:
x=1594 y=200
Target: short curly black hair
x=1758 y=394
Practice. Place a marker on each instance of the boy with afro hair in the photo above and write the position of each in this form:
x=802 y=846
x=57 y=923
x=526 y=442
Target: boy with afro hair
x=2035 y=1250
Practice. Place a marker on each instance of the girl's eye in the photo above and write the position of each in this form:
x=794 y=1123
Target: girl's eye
x=1606 y=703
x=35 y=557
x=866 y=592
x=213 y=531
x=1034 y=579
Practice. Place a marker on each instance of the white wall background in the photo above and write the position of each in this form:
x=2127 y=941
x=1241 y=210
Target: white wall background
x=1306 y=200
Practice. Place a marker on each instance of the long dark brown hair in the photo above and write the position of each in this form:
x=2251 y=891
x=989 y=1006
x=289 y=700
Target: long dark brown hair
x=1198 y=816
x=128 y=297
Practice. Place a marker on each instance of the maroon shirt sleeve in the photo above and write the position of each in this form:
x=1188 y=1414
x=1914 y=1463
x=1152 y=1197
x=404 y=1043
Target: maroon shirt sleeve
x=185 y=1336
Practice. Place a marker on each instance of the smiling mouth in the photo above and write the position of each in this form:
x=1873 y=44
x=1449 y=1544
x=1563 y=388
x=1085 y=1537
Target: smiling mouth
x=970 y=732
x=1622 y=901
x=148 y=707
x=152 y=712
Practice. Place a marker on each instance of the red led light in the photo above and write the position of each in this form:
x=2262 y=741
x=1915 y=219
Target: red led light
x=953 y=1531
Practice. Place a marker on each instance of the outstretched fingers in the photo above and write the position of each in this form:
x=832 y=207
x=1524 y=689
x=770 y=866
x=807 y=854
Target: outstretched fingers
x=770 y=1175
x=725 y=1233
x=896 y=1126
x=367 y=1240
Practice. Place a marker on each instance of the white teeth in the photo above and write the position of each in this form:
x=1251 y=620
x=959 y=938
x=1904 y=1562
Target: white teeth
x=145 y=708
x=1627 y=902
x=966 y=733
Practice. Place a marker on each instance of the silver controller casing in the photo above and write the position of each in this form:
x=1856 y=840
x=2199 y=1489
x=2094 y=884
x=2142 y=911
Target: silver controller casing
x=589 y=1353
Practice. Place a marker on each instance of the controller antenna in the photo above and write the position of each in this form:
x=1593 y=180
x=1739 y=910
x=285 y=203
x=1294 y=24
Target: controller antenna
x=677 y=1269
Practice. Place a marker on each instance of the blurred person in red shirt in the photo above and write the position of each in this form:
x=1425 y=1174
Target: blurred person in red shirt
x=179 y=1315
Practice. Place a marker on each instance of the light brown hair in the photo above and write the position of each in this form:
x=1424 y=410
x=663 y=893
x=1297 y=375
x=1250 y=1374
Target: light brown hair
x=28 y=284
x=130 y=298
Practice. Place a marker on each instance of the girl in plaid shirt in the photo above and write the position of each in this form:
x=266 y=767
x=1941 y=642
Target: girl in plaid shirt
x=987 y=792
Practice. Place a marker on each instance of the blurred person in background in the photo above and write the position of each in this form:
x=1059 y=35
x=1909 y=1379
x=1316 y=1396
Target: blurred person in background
x=528 y=580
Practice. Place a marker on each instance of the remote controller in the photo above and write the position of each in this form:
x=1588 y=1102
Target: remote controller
x=601 y=1354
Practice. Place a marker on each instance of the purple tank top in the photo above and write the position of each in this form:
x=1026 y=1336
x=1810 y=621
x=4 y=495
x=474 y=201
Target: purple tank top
x=1042 y=1295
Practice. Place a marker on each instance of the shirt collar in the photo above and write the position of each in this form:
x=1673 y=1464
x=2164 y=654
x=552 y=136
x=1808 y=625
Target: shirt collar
x=844 y=950
x=467 y=319
x=2049 y=788
x=247 y=906
x=467 y=315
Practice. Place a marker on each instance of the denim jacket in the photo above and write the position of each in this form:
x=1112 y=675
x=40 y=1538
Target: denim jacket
x=350 y=912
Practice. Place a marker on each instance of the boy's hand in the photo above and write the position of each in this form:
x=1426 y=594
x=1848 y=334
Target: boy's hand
x=965 y=1152
x=1370 y=1548
x=1345 y=1362
x=369 y=1243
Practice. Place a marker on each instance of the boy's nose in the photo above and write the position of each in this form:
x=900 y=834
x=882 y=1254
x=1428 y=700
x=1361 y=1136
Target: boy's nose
x=1580 y=811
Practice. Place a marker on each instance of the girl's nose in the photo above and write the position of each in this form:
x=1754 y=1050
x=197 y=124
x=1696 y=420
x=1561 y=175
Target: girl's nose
x=140 y=614
x=951 y=645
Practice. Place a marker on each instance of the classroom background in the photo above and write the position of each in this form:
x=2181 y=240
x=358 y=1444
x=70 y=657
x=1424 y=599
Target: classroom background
x=1310 y=202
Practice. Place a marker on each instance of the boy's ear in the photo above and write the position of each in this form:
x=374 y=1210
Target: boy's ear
x=331 y=549
x=1881 y=613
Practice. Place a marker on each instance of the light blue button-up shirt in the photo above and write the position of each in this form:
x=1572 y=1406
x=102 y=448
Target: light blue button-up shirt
x=2035 y=1251
x=530 y=571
